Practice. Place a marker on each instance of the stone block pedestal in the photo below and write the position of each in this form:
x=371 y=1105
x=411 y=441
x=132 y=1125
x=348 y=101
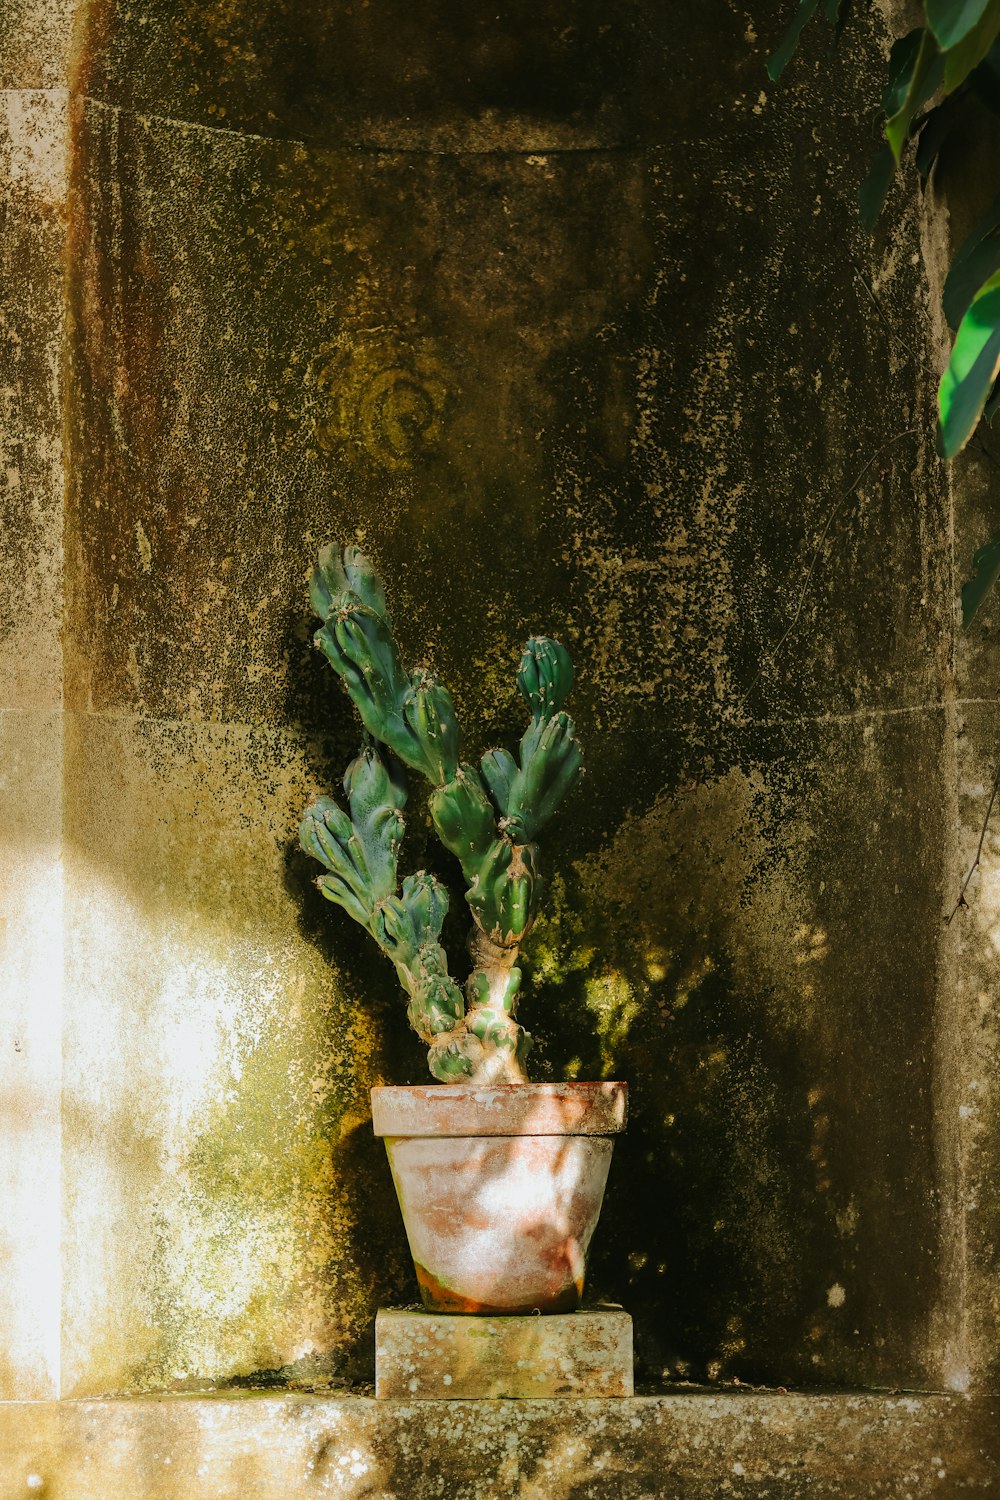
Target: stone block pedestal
x=439 y=1356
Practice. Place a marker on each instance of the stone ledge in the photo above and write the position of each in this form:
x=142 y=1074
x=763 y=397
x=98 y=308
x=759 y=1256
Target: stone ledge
x=692 y=1446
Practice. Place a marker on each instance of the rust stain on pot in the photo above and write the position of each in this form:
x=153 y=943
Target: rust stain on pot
x=438 y=1297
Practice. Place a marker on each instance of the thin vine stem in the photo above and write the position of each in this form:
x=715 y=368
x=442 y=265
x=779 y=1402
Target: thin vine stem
x=979 y=852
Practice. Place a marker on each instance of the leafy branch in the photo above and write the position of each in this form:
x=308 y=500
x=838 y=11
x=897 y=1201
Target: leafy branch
x=940 y=75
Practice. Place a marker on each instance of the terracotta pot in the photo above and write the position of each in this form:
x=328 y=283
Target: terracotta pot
x=500 y=1187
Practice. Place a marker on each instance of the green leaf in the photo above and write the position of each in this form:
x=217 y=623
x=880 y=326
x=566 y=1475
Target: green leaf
x=992 y=406
x=986 y=571
x=975 y=361
x=967 y=54
x=902 y=59
x=780 y=57
x=875 y=186
x=916 y=82
x=951 y=20
x=935 y=128
x=975 y=262
x=985 y=80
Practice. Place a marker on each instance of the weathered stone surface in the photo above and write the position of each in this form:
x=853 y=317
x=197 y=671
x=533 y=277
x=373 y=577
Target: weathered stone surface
x=434 y=1356
x=693 y=1446
x=31 y=944
x=274 y=344
x=762 y=934
x=35 y=38
x=967 y=1042
x=576 y=391
x=33 y=129
x=32 y=232
x=358 y=315
x=968 y=1060
x=439 y=77
x=227 y=1208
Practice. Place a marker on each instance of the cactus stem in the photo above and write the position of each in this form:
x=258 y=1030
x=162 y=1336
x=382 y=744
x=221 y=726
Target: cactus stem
x=494 y=1001
x=494 y=961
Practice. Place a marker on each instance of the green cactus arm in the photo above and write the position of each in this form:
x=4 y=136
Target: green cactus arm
x=336 y=888
x=545 y=676
x=436 y=1003
x=376 y=793
x=326 y=832
x=414 y=716
x=359 y=853
x=498 y=769
x=456 y=1057
x=505 y=891
x=463 y=818
x=407 y=928
x=429 y=713
x=360 y=647
x=550 y=759
x=405 y=923
x=343 y=576
x=550 y=763
x=503 y=877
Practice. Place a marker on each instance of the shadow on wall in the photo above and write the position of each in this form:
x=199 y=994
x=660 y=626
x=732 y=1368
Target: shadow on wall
x=666 y=963
x=675 y=959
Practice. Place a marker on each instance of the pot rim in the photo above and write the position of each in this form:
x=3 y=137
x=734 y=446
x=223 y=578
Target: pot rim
x=461 y=1109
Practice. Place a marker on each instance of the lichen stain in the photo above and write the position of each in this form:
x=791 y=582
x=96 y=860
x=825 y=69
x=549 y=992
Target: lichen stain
x=259 y=1199
x=32 y=180
x=701 y=980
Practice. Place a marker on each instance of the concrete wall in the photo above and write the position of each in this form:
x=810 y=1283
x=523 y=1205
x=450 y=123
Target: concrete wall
x=969 y=1025
x=568 y=318
x=33 y=163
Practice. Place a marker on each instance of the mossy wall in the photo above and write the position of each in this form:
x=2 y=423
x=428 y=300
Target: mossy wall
x=32 y=236
x=969 y=1025
x=566 y=316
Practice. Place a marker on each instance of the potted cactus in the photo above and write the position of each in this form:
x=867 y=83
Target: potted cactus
x=500 y=1181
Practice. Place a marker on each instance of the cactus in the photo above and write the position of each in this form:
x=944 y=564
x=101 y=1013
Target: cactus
x=487 y=817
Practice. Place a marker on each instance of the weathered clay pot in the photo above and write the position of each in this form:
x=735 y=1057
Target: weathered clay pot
x=500 y=1187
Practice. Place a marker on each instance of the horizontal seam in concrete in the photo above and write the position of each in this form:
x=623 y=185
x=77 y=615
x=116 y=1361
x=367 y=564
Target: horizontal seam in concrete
x=847 y=717
x=43 y=711
x=54 y=89
x=298 y=733
x=359 y=148
x=240 y=135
